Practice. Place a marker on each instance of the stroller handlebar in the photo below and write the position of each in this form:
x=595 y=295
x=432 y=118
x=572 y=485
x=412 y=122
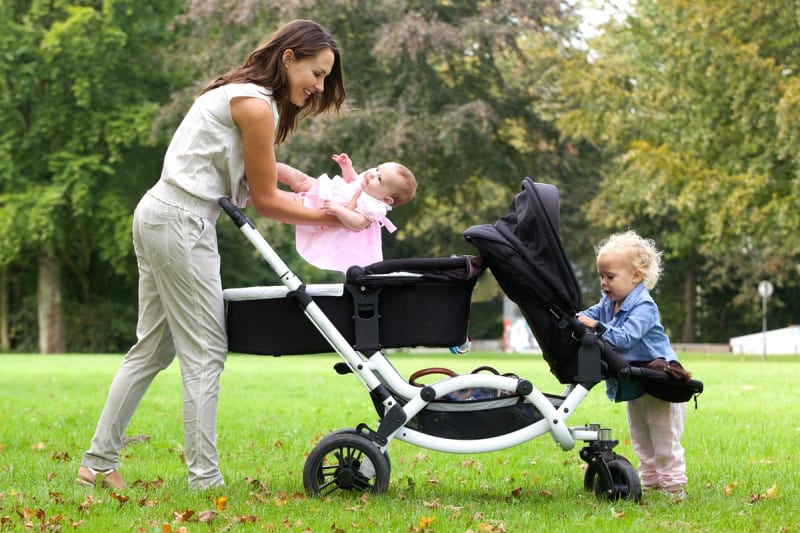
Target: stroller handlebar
x=239 y=218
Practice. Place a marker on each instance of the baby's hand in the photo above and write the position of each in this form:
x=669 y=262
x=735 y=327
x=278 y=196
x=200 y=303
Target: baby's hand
x=331 y=208
x=586 y=321
x=342 y=159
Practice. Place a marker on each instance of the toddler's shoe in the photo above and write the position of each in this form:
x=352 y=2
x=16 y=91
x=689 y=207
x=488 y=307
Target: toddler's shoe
x=675 y=494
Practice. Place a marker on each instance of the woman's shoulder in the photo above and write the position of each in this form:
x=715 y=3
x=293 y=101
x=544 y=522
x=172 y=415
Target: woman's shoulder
x=232 y=90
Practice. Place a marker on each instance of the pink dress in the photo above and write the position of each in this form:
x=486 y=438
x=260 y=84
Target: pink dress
x=339 y=248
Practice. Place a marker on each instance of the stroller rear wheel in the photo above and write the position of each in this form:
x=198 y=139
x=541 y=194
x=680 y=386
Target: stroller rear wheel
x=625 y=484
x=346 y=460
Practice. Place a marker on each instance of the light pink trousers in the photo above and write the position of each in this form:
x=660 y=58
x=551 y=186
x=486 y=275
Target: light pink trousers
x=656 y=428
x=181 y=312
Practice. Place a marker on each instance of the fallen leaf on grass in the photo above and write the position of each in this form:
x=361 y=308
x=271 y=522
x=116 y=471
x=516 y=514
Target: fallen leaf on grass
x=728 y=490
x=88 y=502
x=206 y=517
x=121 y=498
x=221 y=503
x=492 y=528
x=432 y=505
x=280 y=498
x=61 y=456
x=184 y=516
x=455 y=509
x=147 y=485
x=771 y=492
x=425 y=522
x=39 y=446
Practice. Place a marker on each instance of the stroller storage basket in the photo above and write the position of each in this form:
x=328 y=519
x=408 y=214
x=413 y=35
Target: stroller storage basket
x=474 y=419
x=372 y=311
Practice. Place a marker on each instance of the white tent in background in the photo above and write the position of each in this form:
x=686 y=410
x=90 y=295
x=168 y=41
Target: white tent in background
x=785 y=341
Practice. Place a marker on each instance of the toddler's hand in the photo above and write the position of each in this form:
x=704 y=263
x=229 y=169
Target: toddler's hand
x=586 y=321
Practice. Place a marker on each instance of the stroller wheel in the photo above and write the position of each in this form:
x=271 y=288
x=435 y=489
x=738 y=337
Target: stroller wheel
x=346 y=460
x=593 y=471
x=351 y=431
x=625 y=484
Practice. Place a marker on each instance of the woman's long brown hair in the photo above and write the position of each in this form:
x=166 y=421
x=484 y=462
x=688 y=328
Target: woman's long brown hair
x=305 y=39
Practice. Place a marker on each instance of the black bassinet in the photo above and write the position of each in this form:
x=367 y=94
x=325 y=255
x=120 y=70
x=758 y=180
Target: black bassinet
x=392 y=304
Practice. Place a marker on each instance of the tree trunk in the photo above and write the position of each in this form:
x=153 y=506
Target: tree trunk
x=51 y=317
x=689 y=298
x=5 y=335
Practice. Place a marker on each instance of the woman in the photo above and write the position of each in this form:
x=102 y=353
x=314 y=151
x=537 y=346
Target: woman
x=223 y=147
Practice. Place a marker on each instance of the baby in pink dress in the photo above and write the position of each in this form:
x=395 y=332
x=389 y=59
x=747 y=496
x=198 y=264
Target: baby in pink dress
x=360 y=201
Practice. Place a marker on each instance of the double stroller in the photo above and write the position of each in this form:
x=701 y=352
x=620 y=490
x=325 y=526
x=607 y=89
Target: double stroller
x=405 y=303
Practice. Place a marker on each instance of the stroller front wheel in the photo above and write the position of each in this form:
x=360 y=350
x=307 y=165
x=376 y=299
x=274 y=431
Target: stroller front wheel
x=625 y=484
x=346 y=460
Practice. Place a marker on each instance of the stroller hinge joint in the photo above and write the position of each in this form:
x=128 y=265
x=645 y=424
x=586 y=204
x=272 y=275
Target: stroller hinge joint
x=394 y=419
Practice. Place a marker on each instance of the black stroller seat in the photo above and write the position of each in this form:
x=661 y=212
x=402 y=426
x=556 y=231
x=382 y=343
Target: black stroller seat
x=524 y=252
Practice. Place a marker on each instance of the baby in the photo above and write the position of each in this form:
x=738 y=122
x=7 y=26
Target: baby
x=360 y=201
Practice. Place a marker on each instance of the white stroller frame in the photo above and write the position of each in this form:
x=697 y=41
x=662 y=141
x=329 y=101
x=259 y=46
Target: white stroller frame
x=360 y=455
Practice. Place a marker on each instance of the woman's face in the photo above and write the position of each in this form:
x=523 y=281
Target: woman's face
x=306 y=77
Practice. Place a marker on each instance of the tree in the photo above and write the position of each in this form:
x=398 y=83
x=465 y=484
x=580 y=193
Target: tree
x=689 y=99
x=77 y=106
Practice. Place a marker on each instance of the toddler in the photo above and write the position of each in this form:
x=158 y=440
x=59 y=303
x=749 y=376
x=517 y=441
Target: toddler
x=629 y=266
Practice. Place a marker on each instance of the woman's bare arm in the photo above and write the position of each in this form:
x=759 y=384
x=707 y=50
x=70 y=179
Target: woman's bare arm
x=254 y=119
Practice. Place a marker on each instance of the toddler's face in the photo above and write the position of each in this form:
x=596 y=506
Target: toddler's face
x=617 y=275
x=382 y=182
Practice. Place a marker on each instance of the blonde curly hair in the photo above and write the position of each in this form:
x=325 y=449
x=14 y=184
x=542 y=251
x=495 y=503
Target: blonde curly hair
x=642 y=253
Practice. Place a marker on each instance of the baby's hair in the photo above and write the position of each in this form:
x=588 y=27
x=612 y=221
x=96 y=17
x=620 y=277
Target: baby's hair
x=642 y=253
x=409 y=187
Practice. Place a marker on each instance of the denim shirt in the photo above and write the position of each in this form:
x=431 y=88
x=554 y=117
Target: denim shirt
x=635 y=333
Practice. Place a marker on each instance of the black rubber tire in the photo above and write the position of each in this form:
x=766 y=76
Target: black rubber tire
x=625 y=482
x=590 y=476
x=346 y=461
x=351 y=431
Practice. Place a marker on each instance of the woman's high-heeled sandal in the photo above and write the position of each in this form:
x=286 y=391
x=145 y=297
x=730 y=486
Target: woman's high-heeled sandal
x=88 y=477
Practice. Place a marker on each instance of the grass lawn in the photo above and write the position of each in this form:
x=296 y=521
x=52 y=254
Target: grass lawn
x=741 y=446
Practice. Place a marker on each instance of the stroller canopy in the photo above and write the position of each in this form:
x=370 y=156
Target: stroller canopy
x=524 y=252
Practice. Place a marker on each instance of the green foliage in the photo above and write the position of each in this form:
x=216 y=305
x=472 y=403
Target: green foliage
x=679 y=121
x=687 y=100
x=77 y=147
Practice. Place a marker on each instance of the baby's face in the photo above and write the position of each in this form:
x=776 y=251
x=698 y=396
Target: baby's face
x=382 y=181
